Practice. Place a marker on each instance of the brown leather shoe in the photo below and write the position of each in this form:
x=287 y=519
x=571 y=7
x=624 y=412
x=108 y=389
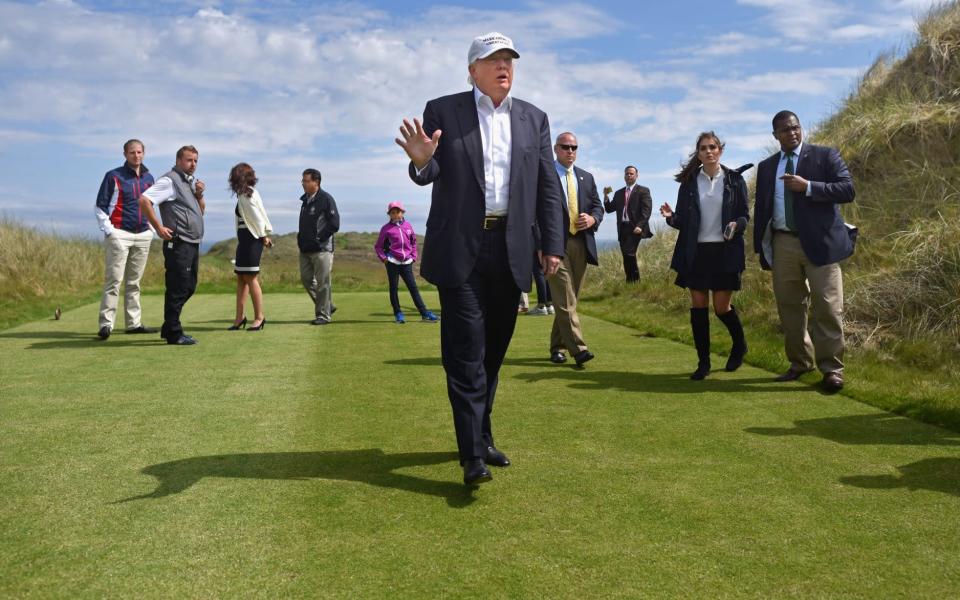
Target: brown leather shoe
x=790 y=375
x=833 y=381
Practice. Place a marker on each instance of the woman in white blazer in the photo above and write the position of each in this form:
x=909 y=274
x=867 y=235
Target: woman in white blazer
x=253 y=233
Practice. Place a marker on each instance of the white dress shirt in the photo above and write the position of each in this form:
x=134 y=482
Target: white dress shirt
x=626 y=194
x=496 y=141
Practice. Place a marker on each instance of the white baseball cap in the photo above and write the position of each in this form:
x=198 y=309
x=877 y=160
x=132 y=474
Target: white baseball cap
x=485 y=45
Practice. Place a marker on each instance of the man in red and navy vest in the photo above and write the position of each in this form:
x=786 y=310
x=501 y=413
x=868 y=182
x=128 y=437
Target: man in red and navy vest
x=127 y=237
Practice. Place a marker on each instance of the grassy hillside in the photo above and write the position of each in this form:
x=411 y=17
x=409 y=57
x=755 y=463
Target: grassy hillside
x=899 y=131
x=40 y=271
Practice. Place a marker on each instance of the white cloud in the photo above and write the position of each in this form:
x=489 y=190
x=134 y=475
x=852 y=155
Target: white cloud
x=284 y=90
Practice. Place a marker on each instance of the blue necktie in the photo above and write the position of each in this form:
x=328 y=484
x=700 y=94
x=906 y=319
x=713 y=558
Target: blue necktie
x=788 y=197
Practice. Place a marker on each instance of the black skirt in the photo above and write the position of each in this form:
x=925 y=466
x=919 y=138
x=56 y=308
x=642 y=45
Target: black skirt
x=708 y=270
x=249 y=250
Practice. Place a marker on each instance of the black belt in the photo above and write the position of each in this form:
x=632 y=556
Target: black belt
x=494 y=222
x=786 y=231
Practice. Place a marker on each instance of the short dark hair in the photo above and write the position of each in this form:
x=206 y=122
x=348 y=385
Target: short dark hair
x=184 y=149
x=130 y=142
x=313 y=174
x=783 y=115
x=630 y=167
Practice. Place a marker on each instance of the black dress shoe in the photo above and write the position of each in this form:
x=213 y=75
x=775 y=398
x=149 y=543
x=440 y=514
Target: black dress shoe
x=583 y=357
x=833 y=382
x=142 y=329
x=703 y=369
x=790 y=375
x=558 y=357
x=475 y=471
x=183 y=340
x=237 y=326
x=319 y=321
x=104 y=332
x=258 y=327
x=497 y=458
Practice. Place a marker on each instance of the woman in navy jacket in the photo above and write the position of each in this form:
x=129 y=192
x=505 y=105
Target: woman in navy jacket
x=711 y=215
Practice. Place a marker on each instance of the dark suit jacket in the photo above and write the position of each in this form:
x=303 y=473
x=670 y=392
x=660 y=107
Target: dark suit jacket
x=588 y=201
x=638 y=211
x=455 y=223
x=823 y=234
x=686 y=218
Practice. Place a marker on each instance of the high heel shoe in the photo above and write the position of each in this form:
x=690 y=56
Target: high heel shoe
x=258 y=327
x=241 y=325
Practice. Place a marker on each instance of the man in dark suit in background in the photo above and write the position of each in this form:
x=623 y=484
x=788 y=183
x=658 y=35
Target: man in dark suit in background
x=800 y=235
x=493 y=177
x=633 y=205
x=580 y=220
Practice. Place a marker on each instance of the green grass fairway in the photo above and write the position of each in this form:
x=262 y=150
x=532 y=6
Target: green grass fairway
x=307 y=461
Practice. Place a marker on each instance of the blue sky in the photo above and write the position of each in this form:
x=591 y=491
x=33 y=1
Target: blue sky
x=286 y=85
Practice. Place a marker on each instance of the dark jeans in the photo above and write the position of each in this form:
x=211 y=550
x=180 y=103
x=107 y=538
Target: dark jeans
x=181 y=260
x=543 y=290
x=394 y=274
x=478 y=321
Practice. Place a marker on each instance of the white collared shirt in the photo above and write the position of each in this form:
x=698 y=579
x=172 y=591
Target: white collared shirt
x=711 y=206
x=161 y=190
x=779 y=219
x=625 y=217
x=496 y=140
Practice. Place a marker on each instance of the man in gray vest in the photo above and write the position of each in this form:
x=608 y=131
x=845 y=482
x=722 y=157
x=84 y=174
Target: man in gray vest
x=179 y=196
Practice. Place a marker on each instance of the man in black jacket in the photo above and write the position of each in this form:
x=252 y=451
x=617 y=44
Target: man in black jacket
x=633 y=205
x=319 y=220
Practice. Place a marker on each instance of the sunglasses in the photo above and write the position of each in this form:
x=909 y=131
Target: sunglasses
x=569 y=147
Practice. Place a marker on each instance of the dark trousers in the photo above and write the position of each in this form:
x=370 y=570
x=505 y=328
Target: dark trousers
x=394 y=274
x=628 y=247
x=478 y=320
x=181 y=260
x=543 y=290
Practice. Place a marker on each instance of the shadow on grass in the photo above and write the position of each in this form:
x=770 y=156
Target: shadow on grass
x=661 y=383
x=876 y=428
x=371 y=466
x=936 y=474
x=72 y=339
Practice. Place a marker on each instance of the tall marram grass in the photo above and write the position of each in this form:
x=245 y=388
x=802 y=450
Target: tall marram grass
x=40 y=271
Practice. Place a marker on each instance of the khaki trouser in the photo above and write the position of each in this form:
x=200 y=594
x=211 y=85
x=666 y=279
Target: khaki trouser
x=565 y=289
x=126 y=258
x=315 y=270
x=797 y=285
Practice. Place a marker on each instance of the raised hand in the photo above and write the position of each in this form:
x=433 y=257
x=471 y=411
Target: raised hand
x=416 y=144
x=665 y=211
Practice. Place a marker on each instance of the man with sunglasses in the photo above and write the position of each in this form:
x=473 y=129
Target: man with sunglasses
x=799 y=235
x=493 y=177
x=580 y=220
x=632 y=205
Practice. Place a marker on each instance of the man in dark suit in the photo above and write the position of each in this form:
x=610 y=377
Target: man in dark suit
x=493 y=177
x=633 y=205
x=799 y=234
x=580 y=221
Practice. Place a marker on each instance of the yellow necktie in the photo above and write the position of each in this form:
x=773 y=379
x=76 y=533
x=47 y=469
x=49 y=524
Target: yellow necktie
x=572 y=202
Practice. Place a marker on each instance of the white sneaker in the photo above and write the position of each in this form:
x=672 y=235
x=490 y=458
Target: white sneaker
x=550 y=310
x=540 y=310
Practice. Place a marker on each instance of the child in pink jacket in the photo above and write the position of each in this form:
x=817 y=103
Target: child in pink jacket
x=397 y=249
